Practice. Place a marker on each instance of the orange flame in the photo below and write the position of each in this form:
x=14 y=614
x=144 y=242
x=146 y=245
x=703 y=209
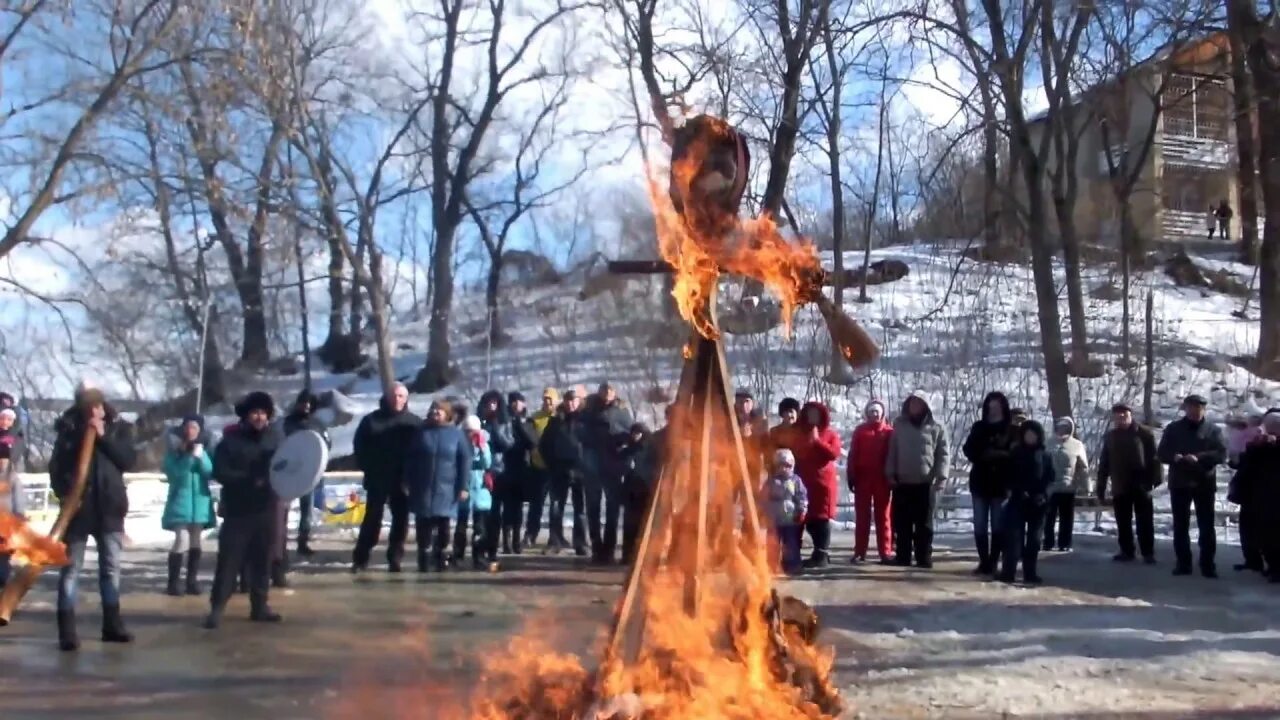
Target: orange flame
x=28 y=547
x=706 y=240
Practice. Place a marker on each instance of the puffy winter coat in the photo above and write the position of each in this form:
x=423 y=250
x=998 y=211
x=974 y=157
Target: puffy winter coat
x=561 y=445
x=608 y=428
x=1204 y=441
x=480 y=496
x=1070 y=462
x=497 y=427
x=1031 y=469
x=242 y=465
x=918 y=453
x=816 y=461
x=988 y=448
x=189 y=501
x=381 y=444
x=539 y=423
x=1257 y=482
x=785 y=499
x=868 y=451
x=437 y=469
x=105 y=502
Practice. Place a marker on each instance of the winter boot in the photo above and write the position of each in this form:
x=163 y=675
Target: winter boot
x=193 y=572
x=517 y=542
x=263 y=613
x=279 y=575
x=819 y=559
x=68 y=640
x=113 y=629
x=304 y=548
x=506 y=541
x=174 y=587
x=212 y=620
x=1209 y=571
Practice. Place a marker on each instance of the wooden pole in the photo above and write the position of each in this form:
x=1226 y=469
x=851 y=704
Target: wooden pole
x=22 y=581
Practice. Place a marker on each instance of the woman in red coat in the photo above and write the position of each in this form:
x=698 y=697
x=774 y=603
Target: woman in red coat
x=817 y=447
x=868 y=450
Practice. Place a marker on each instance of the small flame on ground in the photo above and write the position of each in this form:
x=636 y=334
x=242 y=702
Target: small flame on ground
x=25 y=546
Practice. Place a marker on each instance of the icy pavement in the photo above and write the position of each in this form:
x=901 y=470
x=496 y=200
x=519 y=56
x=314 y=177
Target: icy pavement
x=1100 y=641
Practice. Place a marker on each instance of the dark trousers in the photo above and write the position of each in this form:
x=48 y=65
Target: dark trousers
x=244 y=542
x=306 y=506
x=1180 y=501
x=788 y=539
x=535 y=487
x=820 y=535
x=461 y=521
x=1253 y=528
x=371 y=527
x=637 y=498
x=988 y=538
x=913 y=522
x=1023 y=522
x=508 y=501
x=562 y=486
x=484 y=544
x=1062 y=510
x=433 y=537
x=1131 y=506
x=604 y=536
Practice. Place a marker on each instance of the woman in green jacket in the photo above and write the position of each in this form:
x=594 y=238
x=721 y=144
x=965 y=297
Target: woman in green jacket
x=188 y=512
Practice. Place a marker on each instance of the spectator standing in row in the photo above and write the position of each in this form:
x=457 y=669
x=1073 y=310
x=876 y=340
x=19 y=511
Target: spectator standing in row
x=188 y=509
x=644 y=453
x=1243 y=491
x=1193 y=448
x=755 y=432
x=1070 y=476
x=561 y=446
x=479 y=500
x=381 y=443
x=437 y=479
x=786 y=503
x=1259 y=486
x=15 y=427
x=513 y=484
x=816 y=449
x=1030 y=476
x=242 y=466
x=1128 y=461
x=12 y=496
x=989 y=447
x=608 y=429
x=868 y=453
x=917 y=467
x=538 y=482
x=496 y=423
x=301 y=417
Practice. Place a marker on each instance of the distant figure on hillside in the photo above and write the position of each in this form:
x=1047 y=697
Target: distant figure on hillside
x=868 y=451
x=1128 y=461
x=1213 y=220
x=917 y=467
x=1193 y=448
x=1224 y=215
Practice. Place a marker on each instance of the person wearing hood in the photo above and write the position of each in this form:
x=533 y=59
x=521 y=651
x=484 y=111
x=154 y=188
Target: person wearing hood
x=608 y=426
x=12 y=428
x=644 y=452
x=816 y=452
x=302 y=417
x=188 y=510
x=1241 y=433
x=381 y=443
x=917 y=466
x=438 y=479
x=13 y=497
x=868 y=451
x=1259 y=485
x=1128 y=461
x=242 y=466
x=988 y=448
x=785 y=500
x=102 y=510
x=562 y=448
x=501 y=423
x=1193 y=448
x=1031 y=474
x=480 y=494
x=754 y=429
x=537 y=482
x=1070 y=476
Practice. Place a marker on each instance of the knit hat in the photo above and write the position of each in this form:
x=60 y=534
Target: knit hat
x=515 y=396
x=9 y=413
x=256 y=400
x=552 y=393
x=744 y=393
x=89 y=394
x=308 y=397
x=1120 y=408
x=874 y=404
x=471 y=424
x=788 y=403
x=784 y=457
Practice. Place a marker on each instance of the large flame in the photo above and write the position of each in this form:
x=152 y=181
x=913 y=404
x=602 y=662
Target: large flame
x=704 y=238
x=26 y=546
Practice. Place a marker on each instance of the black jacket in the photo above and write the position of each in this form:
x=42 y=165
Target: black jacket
x=1128 y=460
x=1031 y=470
x=608 y=430
x=105 y=502
x=1204 y=441
x=561 y=444
x=988 y=449
x=293 y=422
x=1258 y=480
x=516 y=460
x=382 y=440
x=242 y=466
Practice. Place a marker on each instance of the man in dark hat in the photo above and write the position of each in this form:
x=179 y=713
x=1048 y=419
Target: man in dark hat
x=1193 y=448
x=242 y=465
x=103 y=507
x=1128 y=461
x=301 y=417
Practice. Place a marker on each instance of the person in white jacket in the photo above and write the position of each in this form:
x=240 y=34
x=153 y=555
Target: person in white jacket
x=1071 y=475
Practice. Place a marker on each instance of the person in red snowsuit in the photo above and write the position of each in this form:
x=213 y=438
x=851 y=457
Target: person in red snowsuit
x=868 y=450
x=817 y=447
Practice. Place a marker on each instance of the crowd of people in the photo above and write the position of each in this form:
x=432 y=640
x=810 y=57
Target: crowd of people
x=465 y=479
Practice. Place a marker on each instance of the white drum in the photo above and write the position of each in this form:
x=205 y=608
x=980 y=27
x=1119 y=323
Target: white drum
x=298 y=464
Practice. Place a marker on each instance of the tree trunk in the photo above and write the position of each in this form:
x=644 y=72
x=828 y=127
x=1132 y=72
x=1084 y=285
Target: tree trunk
x=1246 y=164
x=436 y=372
x=337 y=264
x=491 y=285
x=990 y=182
x=302 y=303
x=356 y=319
x=1055 y=365
x=1149 y=382
x=382 y=331
x=1075 y=284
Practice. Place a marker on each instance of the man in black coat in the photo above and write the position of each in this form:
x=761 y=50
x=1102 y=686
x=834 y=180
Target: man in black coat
x=242 y=466
x=102 y=508
x=1128 y=461
x=1259 y=481
x=496 y=424
x=381 y=442
x=561 y=446
x=516 y=432
x=1193 y=448
x=608 y=431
